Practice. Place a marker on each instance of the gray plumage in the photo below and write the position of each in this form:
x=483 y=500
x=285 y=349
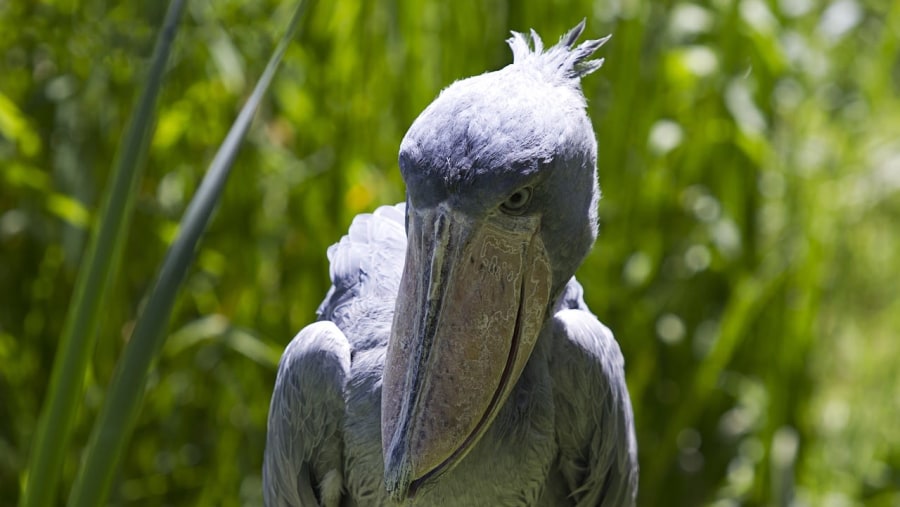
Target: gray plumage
x=558 y=429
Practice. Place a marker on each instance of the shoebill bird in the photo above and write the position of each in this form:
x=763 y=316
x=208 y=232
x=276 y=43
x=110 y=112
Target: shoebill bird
x=455 y=362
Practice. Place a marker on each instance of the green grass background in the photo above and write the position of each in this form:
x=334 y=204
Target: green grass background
x=748 y=260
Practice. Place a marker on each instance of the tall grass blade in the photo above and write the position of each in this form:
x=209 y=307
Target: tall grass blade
x=104 y=253
x=122 y=404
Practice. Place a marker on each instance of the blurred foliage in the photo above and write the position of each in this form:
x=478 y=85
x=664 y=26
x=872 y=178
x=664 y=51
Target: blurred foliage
x=750 y=162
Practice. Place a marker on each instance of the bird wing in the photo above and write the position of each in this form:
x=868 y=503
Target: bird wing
x=595 y=425
x=303 y=457
x=302 y=460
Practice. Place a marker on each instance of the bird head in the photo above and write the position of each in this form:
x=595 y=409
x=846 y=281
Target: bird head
x=501 y=210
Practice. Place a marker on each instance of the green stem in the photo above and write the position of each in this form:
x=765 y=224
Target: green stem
x=121 y=407
x=54 y=429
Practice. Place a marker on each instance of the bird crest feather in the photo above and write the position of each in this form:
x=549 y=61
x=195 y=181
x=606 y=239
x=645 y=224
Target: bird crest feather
x=562 y=61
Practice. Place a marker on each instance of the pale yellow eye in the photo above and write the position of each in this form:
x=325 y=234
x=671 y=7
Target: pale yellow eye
x=517 y=202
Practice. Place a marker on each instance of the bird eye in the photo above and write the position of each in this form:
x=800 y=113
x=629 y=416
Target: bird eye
x=517 y=202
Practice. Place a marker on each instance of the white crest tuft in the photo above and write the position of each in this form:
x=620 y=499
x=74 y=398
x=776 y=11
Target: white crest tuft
x=561 y=61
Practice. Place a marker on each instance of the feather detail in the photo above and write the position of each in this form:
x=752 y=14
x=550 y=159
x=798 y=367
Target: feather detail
x=563 y=61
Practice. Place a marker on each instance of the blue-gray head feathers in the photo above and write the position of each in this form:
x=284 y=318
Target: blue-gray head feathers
x=487 y=136
x=493 y=132
x=562 y=61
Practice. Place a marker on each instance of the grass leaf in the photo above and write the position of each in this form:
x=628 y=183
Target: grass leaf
x=121 y=407
x=102 y=260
